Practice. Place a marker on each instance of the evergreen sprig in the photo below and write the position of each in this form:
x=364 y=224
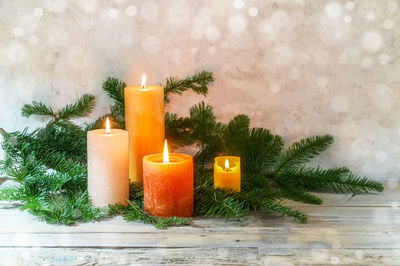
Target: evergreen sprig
x=48 y=164
x=198 y=83
x=337 y=180
x=37 y=108
x=303 y=151
x=82 y=108
x=115 y=90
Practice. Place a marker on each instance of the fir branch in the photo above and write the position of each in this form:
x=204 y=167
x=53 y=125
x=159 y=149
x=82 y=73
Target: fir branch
x=203 y=122
x=234 y=134
x=136 y=191
x=136 y=213
x=276 y=207
x=337 y=180
x=115 y=90
x=11 y=193
x=237 y=128
x=37 y=108
x=63 y=208
x=178 y=130
x=114 y=210
x=164 y=223
x=259 y=150
x=219 y=203
x=83 y=107
x=298 y=194
x=198 y=83
x=301 y=152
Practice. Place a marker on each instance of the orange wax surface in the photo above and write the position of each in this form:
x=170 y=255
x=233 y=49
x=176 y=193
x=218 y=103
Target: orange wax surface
x=168 y=187
x=144 y=118
x=228 y=178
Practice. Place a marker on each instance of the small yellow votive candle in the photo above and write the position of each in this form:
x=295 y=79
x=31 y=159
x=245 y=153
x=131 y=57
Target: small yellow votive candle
x=108 y=166
x=227 y=172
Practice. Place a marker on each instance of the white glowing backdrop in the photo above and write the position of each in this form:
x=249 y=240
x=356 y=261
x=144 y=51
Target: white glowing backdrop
x=297 y=67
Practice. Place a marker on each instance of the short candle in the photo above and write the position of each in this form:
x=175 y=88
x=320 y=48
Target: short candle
x=108 y=178
x=227 y=172
x=168 y=184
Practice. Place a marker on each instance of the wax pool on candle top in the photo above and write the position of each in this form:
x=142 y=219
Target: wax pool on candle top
x=168 y=187
x=108 y=179
x=227 y=172
x=144 y=118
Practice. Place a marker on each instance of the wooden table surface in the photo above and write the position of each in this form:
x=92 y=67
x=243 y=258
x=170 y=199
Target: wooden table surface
x=364 y=230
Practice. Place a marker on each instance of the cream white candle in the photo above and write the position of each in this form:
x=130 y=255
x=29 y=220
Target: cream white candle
x=108 y=166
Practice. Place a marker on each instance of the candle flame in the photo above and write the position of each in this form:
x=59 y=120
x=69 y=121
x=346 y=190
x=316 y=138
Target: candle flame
x=226 y=164
x=166 y=155
x=108 y=127
x=143 y=80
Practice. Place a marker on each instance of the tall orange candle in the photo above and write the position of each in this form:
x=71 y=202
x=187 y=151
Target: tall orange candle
x=168 y=184
x=227 y=172
x=108 y=179
x=144 y=119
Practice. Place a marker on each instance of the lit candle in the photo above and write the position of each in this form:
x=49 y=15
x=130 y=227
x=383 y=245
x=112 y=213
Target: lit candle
x=227 y=172
x=108 y=179
x=144 y=119
x=168 y=184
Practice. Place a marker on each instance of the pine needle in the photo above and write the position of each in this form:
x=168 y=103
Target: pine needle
x=198 y=83
x=83 y=107
x=37 y=108
x=302 y=151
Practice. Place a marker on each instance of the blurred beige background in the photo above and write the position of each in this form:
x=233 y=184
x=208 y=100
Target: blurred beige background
x=297 y=67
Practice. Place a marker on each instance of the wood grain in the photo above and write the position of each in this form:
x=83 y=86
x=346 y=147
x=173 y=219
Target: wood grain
x=364 y=230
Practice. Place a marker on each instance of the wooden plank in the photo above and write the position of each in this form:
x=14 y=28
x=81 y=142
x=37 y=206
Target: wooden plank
x=198 y=256
x=332 y=257
x=186 y=256
x=367 y=231
x=205 y=240
x=380 y=219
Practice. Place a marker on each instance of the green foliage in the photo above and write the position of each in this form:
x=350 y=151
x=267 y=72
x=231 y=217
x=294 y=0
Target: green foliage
x=48 y=164
x=178 y=130
x=83 y=107
x=36 y=109
x=115 y=90
x=198 y=83
x=278 y=208
x=337 y=180
x=303 y=151
x=136 y=213
x=219 y=203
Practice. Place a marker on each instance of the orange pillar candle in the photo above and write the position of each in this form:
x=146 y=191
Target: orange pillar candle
x=144 y=119
x=227 y=172
x=108 y=179
x=168 y=184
